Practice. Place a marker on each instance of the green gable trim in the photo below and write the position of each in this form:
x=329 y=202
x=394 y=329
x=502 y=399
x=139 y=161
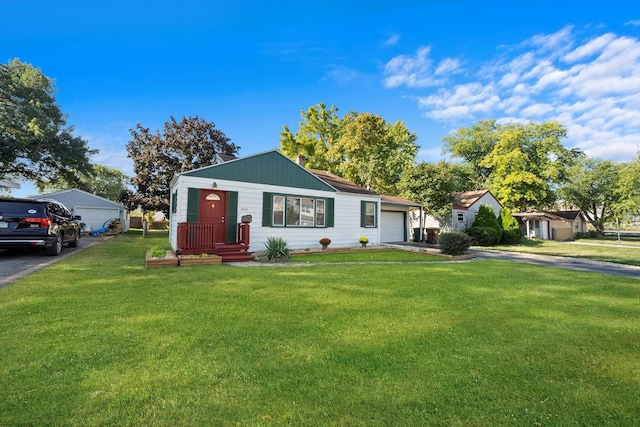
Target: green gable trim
x=270 y=168
x=193 y=204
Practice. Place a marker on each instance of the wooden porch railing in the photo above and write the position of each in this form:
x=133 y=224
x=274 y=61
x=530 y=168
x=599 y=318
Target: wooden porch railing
x=243 y=233
x=199 y=237
x=196 y=237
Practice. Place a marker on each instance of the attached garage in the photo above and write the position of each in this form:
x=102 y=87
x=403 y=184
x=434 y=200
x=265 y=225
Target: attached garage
x=394 y=218
x=392 y=227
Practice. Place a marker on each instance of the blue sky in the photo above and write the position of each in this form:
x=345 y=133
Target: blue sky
x=251 y=66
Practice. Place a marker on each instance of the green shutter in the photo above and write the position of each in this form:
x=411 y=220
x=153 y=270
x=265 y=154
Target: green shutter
x=329 y=212
x=232 y=216
x=363 y=213
x=267 y=206
x=193 y=204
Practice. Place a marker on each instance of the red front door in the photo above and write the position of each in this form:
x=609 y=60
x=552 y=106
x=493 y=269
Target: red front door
x=213 y=210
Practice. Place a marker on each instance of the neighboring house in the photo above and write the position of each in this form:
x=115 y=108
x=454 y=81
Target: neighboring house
x=466 y=206
x=95 y=211
x=551 y=225
x=463 y=213
x=242 y=202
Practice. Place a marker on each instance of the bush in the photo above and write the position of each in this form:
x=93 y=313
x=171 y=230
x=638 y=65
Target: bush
x=483 y=236
x=511 y=237
x=511 y=233
x=454 y=243
x=277 y=249
x=591 y=234
x=487 y=218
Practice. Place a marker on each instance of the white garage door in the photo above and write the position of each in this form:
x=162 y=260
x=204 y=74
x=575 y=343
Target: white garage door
x=392 y=226
x=96 y=217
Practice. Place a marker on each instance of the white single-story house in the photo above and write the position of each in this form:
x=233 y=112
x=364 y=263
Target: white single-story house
x=463 y=213
x=551 y=225
x=466 y=206
x=240 y=203
x=95 y=211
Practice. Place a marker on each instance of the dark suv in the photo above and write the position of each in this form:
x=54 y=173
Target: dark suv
x=37 y=223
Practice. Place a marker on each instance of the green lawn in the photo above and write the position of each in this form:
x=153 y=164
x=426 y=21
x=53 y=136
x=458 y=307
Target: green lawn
x=605 y=251
x=97 y=339
x=367 y=255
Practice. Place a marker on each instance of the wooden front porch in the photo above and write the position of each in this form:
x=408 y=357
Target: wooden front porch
x=199 y=238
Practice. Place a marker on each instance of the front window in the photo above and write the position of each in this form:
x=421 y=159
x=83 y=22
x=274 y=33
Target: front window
x=320 y=212
x=293 y=211
x=278 y=210
x=460 y=217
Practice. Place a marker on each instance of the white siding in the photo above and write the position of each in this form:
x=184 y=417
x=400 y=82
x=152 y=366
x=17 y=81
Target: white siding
x=345 y=233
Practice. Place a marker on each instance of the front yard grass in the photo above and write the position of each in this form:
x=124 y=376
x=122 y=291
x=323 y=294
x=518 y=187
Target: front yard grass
x=367 y=255
x=577 y=249
x=97 y=339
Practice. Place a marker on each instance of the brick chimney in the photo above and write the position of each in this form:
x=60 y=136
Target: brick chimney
x=300 y=160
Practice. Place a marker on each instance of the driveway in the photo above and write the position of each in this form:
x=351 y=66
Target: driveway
x=17 y=263
x=579 y=264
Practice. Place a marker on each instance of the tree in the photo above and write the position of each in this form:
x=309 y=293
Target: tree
x=373 y=153
x=592 y=188
x=35 y=142
x=189 y=144
x=433 y=185
x=522 y=164
x=473 y=144
x=360 y=147
x=318 y=131
x=103 y=181
x=628 y=191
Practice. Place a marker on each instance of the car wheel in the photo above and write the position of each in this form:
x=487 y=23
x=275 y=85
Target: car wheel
x=74 y=242
x=56 y=248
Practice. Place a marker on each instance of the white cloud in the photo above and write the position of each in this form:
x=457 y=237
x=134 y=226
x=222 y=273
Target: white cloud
x=591 y=85
x=417 y=71
x=341 y=74
x=392 y=40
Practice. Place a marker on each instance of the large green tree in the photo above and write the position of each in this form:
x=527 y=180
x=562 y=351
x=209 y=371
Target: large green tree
x=189 y=144
x=360 y=147
x=591 y=186
x=521 y=163
x=103 y=181
x=434 y=184
x=628 y=191
x=35 y=142
x=318 y=130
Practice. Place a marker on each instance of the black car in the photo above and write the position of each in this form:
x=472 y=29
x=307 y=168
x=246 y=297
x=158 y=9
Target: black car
x=33 y=223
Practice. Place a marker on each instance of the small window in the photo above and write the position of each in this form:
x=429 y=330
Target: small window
x=460 y=217
x=212 y=196
x=368 y=214
x=320 y=213
x=278 y=210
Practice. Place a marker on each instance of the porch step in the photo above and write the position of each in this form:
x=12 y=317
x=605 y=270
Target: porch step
x=233 y=252
x=236 y=257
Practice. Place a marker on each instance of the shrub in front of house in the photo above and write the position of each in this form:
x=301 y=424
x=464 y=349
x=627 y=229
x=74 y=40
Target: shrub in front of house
x=277 y=249
x=454 y=243
x=487 y=218
x=511 y=233
x=483 y=236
